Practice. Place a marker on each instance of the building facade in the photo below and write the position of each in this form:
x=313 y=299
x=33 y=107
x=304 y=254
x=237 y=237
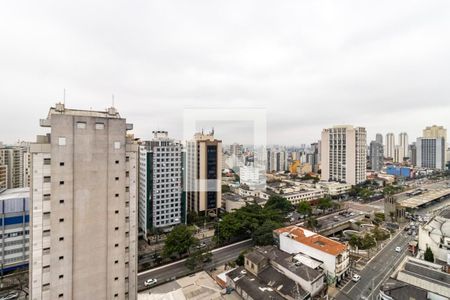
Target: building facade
x=203 y=174
x=403 y=144
x=15 y=230
x=376 y=156
x=389 y=145
x=13 y=158
x=160 y=183
x=430 y=153
x=84 y=207
x=344 y=154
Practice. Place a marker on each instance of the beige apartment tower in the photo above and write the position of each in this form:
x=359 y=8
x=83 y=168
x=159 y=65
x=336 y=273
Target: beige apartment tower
x=83 y=207
x=344 y=154
x=203 y=174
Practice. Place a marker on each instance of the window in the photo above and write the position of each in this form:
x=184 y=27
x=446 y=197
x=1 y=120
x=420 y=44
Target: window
x=116 y=278
x=61 y=220
x=116 y=195
x=116 y=295
x=47 y=178
x=60 y=295
x=116 y=262
x=81 y=125
x=116 y=228
x=116 y=212
x=116 y=245
x=61 y=239
x=61 y=164
x=117 y=178
x=61 y=257
x=116 y=145
x=61 y=182
x=61 y=201
x=61 y=276
x=47 y=161
x=117 y=162
x=61 y=141
x=99 y=126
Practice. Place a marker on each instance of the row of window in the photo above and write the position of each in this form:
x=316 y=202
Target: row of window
x=12 y=243
x=14 y=234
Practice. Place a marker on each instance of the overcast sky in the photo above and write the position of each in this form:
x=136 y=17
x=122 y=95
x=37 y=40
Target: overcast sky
x=384 y=65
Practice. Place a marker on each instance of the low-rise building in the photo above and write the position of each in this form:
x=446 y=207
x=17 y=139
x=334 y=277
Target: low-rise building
x=269 y=273
x=417 y=279
x=334 y=188
x=333 y=255
x=435 y=234
x=15 y=230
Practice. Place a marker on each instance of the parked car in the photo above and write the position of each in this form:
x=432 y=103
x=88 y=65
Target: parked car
x=356 y=277
x=398 y=249
x=150 y=282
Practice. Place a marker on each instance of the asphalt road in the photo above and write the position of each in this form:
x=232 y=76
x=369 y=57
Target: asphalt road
x=178 y=269
x=377 y=270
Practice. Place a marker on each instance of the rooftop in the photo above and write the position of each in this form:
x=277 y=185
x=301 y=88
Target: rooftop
x=15 y=193
x=402 y=291
x=313 y=239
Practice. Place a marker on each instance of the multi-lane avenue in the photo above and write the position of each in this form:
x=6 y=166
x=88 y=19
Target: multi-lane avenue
x=178 y=269
x=377 y=270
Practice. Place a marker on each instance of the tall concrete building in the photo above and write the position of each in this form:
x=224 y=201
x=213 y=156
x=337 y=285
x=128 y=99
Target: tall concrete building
x=379 y=138
x=412 y=153
x=277 y=160
x=389 y=146
x=431 y=153
x=436 y=132
x=376 y=155
x=3 y=176
x=403 y=146
x=204 y=174
x=160 y=182
x=315 y=160
x=13 y=158
x=344 y=154
x=84 y=207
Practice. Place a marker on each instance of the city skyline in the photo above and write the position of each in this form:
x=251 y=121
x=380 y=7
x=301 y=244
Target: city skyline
x=384 y=68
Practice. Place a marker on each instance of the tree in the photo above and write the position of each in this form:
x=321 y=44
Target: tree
x=241 y=258
x=192 y=217
x=304 y=208
x=429 y=256
x=325 y=203
x=179 y=241
x=312 y=222
x=368 y=241
x=279 y=203
x=263 y=235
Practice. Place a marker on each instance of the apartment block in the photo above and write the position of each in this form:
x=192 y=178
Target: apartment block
x=84 y=207
x=13 y=158
x=160 y=183
x=344 y=154
x=430 y=153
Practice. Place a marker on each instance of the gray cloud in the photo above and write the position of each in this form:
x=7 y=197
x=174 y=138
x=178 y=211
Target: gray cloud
x=384 y=65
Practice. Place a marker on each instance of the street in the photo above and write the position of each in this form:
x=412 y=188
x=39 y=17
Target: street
x=377 y=270
x=178 y=269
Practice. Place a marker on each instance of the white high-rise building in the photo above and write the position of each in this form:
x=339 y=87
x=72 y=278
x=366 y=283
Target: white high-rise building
x=344 y=154
x=83 y=207
x=403 y=144
x=389 y=146
x=13 y=158
x=160 y=181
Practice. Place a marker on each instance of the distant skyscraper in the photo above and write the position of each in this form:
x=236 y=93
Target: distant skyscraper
x=159 y=183
x=435 y=132
x=204 y=174
x=236 y=149
x=431 y=153
x=3 y=176
x=13 y=158
x=403 y=143
x=84 y=207
x=389 y=146
x=315 y=161
x=379 y=138
x=376 y=155
x=344 y=154
x=412 y=153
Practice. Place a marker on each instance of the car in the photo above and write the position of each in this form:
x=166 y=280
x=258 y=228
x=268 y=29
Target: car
x=150 y=282
x=398 y=249
x=356 y=277
x=201 y=245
